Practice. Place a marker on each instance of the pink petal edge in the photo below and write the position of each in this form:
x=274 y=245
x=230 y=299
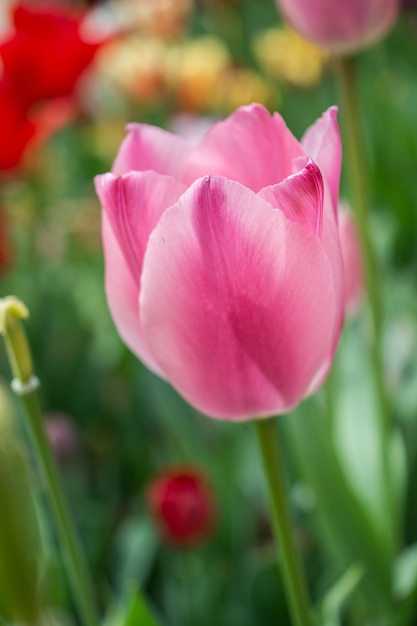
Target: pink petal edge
x=251 y=146
x=323 y=145
x=132 y=205
x=150 y=148
x=300 y=197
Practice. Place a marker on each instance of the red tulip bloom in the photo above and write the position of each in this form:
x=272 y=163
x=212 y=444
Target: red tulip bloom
x=47 y=52
x=17 y=129
x=23 y=129
x=182 y=504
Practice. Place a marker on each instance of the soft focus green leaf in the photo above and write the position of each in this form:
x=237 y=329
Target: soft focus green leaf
x=358 y=440
x=345 y=526
x=134 y=552
x=138 y=612
x=405 y=572
x=134 y=611
x=330 y=609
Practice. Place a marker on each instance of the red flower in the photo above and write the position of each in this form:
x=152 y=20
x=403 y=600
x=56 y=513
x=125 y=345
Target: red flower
x=182 y=503
x=46 y=54
x=17 y=128
x=42 y=60
x=23 y=129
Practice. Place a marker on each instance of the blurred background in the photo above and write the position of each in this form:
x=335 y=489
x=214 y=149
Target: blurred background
x=72 y=74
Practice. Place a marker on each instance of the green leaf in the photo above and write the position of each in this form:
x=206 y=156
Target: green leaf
x=330 y=609
x=405 y=572
x=359 y=441
x=350 y=530
x=138 y=612
x=135 y=551
x=135 y=611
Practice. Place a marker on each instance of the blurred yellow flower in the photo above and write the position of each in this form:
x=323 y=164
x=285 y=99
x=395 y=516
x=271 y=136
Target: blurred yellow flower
x=195 y=69
x=157 y=18
x=286 y=56
x=137 y=66
x=240 y=86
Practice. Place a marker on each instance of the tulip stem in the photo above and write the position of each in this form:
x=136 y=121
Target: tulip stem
x=293 y=576
x=360 y=198
x=357 y=170
x=74 y=557
x=25 y=384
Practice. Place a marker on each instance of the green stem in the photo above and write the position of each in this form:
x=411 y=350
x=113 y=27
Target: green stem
x=293 y=577
x=357 y=170
x=360 y=198
x=74 y=557
x=25 y=384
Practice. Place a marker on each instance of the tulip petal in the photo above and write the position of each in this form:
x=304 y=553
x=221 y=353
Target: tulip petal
x=150 y=148
x=299 y=197
x=132 y=205
x=251 y=147
x=122 y=297
x=237 y=302
x=323 y=145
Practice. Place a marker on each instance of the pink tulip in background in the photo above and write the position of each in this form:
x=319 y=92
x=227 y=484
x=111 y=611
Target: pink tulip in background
x=352 y=259
x=341 y=26
x=223 y=265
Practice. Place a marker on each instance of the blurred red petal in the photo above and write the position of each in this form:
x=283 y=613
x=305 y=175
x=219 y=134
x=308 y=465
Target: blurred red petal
x=46 y=54
x=182 y=503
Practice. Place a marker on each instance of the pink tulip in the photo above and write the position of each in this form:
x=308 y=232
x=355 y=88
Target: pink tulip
x=223 y=265
x=341 y=25
x=352 y=259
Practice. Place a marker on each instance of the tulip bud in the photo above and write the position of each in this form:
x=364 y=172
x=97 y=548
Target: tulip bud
x=182 y=504
x=19 y=534
x=12 y=310
x=343 y=27
x=352 y=259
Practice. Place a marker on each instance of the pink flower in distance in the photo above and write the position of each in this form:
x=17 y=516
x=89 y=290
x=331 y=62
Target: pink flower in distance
x=352 y=259
x=341 y=26
x=223 y=265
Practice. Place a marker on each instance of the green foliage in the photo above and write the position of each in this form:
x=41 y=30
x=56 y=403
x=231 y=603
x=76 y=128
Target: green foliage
x=20 y=548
